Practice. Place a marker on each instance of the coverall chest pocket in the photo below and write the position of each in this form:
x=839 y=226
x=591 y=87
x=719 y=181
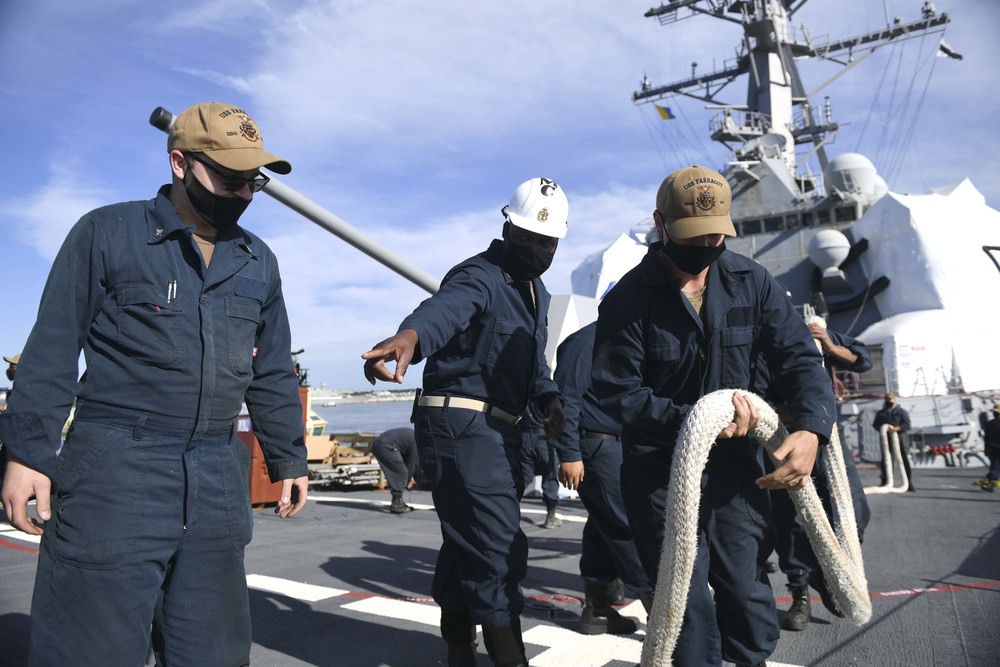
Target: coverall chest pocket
x=149 y=327
x=662 y=355
x=511 y=347
x=737 y=348
x=242 y=318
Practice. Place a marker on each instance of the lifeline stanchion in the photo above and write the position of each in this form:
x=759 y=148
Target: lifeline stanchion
x=838 y=550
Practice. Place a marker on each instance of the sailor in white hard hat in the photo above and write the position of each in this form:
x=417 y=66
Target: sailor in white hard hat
x=483 y=335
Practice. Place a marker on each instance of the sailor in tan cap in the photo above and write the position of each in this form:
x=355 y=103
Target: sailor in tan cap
x=154 y=510
x=12 y=368
x=687 y=321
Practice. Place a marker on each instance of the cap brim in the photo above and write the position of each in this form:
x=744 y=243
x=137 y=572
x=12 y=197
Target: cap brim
x=699 y=225
x=12 y=360
x=248 y=159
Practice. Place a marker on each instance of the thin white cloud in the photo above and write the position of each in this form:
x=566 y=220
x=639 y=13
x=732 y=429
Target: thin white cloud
x=43 y=218
x=413 y=121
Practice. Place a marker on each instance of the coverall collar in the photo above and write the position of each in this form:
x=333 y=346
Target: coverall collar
x=724 y=283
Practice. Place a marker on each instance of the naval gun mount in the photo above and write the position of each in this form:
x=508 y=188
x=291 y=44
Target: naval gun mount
x=162 y=119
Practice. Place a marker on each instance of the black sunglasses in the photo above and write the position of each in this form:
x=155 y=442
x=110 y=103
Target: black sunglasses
x=234 y=183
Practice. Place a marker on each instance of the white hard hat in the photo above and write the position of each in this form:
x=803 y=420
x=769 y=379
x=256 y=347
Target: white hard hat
x=539 y=206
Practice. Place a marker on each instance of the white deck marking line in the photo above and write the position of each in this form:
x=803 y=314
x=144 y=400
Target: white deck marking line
x=635 y=610
x=568 y=647
x=358 y=501
x=565 y=517
x=7 y=530
x=293 y=589
x=416 y=612
x=421 y=506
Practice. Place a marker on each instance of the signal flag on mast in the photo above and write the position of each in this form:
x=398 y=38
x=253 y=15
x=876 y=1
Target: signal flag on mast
x=665 y=112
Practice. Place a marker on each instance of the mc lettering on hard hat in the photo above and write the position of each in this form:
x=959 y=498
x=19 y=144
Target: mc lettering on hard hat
x=540 y=206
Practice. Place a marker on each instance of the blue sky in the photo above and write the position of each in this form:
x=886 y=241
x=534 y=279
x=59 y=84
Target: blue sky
x=414 y=122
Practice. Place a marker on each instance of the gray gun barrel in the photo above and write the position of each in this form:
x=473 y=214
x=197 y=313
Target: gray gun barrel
x=164 y=120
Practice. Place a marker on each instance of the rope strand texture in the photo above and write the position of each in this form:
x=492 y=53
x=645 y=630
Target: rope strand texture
x=891 y=461
x=837 y=550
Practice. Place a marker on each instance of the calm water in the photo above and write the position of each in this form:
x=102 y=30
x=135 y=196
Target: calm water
x=365 y=417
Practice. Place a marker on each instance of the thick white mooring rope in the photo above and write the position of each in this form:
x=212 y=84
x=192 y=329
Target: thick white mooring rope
x=837 y=549
x=890 y=461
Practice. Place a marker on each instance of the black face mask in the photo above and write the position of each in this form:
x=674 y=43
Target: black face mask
x=10 y=374
x=220 y=212
x=525 y=263
x=692 y=259
x=888 y=405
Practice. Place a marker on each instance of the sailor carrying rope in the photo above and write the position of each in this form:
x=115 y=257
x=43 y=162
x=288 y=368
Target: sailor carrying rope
x=837 y=549
x=890 y=438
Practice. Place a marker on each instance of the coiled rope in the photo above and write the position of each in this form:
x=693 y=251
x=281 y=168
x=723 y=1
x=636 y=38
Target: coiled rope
x=837 y=549
x=890 y=461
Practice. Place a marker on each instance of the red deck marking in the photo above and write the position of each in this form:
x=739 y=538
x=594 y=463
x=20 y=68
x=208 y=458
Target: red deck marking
x=17 y=547
x=909 y=592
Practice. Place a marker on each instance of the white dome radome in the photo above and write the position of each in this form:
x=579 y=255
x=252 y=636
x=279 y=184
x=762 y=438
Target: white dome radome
x=828 y=249
x=853 y=172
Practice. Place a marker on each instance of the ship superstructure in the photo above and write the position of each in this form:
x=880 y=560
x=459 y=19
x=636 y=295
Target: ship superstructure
x=903 y=273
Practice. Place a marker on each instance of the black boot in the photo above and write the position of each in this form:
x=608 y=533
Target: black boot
x=800 y=613
x=551 y=520
x=600 y=617
x=647 y=601
x=505 y=646
x=616 y=593
x=397 y=506
x=459 y=632
x=818 y=581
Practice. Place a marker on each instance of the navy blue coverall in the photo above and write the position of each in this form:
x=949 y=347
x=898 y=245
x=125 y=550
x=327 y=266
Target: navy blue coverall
x=795 y=555
x=991 y=438
x=396 y=452
x=654 y=357
x=151 y=507
x=896 y=416
x=483 y=339
x=608 y=550
x=538 y=457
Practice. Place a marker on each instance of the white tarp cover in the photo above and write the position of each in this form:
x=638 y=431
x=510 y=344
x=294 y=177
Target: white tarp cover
x=602 y=269
x=941 y=318
x=568 y=313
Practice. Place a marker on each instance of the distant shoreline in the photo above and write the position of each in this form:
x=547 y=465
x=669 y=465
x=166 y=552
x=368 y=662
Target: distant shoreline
x=327 y=396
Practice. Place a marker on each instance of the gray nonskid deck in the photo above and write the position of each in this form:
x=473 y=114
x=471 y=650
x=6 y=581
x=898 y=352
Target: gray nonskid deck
x=347 y=583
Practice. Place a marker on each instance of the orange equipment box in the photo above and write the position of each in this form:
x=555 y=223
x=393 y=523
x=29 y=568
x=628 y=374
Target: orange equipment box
x=262 y=490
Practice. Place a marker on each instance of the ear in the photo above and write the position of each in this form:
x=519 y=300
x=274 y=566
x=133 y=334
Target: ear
x=178 y=165
x=661 y=229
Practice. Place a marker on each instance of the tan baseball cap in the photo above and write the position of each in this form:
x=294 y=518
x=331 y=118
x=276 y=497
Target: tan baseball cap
x=695 y=201
x=13 y=360
x=225 y=133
